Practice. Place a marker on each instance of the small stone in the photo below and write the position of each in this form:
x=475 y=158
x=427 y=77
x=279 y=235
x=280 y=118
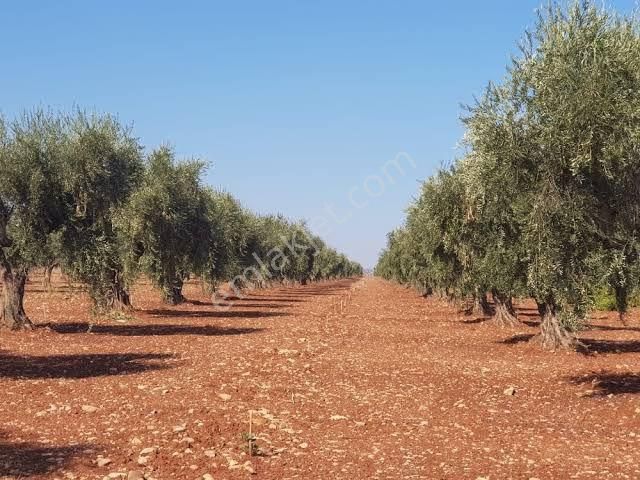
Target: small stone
x=135 y=475
x=116 y=475
x=304 y=445
x=148 y=451
x=586 y=393
x=179 y=428
x=207 y=476
x=136 y=441
x=258 y=421
x=510 y=391
x=209 y=453
x=103 y=462
x=143 y=460
x=224 y=396
x=89 y=408
x=337 y=417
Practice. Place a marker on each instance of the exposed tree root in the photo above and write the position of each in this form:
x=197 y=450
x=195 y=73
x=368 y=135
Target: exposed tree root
x=505 y=314
x=554 y=336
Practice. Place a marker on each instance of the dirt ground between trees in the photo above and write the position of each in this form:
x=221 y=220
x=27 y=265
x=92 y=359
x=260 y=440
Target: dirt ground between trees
x=347 y=379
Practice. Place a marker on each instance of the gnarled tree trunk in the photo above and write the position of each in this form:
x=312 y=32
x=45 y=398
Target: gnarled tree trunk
x=622 y=302
x=47 y=275
x=117 y=297
x=552 y=334
x=12 y=315
x=505 y=314
x=173 y=293
x=480 y=305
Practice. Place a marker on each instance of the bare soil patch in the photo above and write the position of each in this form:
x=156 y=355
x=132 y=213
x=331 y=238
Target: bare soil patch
x=345 y=379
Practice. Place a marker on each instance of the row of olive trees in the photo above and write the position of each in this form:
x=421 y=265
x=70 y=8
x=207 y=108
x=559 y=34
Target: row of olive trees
x=78 y=191
x=546 y=200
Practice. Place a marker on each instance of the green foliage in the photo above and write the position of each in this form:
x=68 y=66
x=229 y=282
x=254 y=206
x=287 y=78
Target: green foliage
x=604 y=299
x=32 y=204
x=102 y=167
x=165 y=223
x=546 y=200
x=278 y=250
x=32 y=197
x=229 y=231
x=76 y=190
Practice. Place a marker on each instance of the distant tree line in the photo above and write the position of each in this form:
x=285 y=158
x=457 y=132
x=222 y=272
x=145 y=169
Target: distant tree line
x=78 y=191
x=545 y=201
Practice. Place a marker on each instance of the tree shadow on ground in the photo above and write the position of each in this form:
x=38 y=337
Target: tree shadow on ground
x=197 y=302
x=253 y=305
x=608 y=328
x=23 y=459
x=590 y=346
x=609 y=383
x=519 y=338
x=476 y=320
x=259 y=299
x=318 y=293
x=530 y=323
x=148 y=329
x=78 y=366
x=165 y=312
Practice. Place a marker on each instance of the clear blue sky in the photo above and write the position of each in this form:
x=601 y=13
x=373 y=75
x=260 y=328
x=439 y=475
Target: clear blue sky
x=295 y=103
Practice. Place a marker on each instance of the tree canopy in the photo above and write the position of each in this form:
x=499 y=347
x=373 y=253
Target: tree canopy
x=77 y=190
x=544 y=202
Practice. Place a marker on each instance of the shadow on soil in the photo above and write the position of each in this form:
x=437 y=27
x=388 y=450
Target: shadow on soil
x=520 y=338
x=609 y=383
x=78 y=366
x=257 y=299
x=147 y=330
x=476 y=320
x=23 y=460
x=165 y=312
x=245 y=305
x=608 y=328
x=609 y=346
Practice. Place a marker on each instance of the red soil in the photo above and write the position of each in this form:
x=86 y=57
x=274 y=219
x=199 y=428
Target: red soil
x=344 y=380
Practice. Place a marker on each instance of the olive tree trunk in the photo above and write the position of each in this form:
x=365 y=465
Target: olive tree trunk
x=505 y=314
x=172 y=294
x=553 y=335
x=12 y=315
x=622 y=302
x=480 y=305
x=117 y=296
x=47 y=275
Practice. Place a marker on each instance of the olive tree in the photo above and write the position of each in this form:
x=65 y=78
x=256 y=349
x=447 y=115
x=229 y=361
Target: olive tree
x=102 y=167
x=32 y=205
x=578 y=81
x=497 y=178
x=228 y=222
x=165 y=223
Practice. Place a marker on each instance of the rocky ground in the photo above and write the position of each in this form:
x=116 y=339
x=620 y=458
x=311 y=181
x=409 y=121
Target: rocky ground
x=344 y=380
